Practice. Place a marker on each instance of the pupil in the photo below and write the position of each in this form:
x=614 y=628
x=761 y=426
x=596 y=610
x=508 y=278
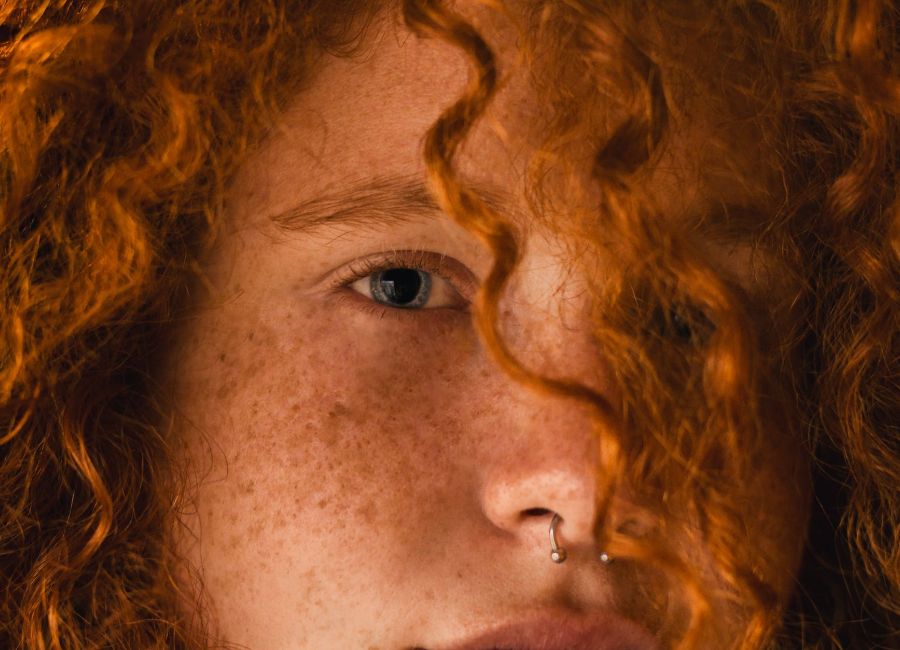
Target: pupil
x=682 y=327
x=400 y=287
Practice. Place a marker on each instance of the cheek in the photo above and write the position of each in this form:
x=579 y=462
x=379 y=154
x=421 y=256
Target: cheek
x=321 y=424
x=773 y=513
x=778 y=504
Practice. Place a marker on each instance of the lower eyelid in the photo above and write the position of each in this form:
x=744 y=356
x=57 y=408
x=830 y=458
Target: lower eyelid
x=439 y=318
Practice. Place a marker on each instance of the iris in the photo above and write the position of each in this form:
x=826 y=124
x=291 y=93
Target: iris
x=401 y=287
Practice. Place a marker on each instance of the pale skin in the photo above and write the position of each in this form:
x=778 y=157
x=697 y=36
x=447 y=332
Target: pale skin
x=367 y=476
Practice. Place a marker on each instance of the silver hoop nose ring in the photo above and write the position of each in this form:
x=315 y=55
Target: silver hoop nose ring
x=557 y=554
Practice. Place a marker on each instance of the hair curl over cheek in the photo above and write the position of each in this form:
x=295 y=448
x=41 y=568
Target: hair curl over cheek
x=694 y=415
x=121 y=124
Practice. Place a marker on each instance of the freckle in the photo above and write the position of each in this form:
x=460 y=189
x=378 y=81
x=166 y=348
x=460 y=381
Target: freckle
x=226 y=389
x=367 y=512
x=329 y=436
x=250 y=335
x=222 y=356
x=338 y=410
x=322 y=503
x=255 y=531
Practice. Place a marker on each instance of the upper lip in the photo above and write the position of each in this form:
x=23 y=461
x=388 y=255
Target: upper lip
x=560 y=631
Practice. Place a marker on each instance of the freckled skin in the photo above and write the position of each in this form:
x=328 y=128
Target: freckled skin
x=362 y=479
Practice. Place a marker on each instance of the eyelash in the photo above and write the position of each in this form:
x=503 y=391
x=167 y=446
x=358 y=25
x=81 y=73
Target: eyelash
x=685 y=324
x=427 y=261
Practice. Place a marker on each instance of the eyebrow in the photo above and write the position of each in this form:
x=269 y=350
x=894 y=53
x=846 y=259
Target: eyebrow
x=377 y=202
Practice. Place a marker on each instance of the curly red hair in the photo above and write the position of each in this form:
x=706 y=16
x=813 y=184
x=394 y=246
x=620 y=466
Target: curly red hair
x=121 y=125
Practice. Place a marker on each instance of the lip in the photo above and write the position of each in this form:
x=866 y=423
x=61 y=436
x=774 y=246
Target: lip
x=603 y=631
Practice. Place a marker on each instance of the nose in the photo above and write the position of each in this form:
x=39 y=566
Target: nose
x=547 y=464
x=547 y=460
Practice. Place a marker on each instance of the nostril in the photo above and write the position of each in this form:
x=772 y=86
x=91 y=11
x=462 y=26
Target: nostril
x=536 y=512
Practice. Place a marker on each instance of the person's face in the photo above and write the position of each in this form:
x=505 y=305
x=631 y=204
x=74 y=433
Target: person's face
x=367 y=477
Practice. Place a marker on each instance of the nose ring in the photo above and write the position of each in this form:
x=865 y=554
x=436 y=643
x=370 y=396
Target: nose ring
x=557 y=553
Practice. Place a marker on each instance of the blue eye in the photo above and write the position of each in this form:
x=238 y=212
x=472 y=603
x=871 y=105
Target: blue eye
x=680 y=325
x=404 y=288
x=410 y=280
x=685 y=324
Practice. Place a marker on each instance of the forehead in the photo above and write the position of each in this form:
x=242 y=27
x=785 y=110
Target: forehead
x=363 y=118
